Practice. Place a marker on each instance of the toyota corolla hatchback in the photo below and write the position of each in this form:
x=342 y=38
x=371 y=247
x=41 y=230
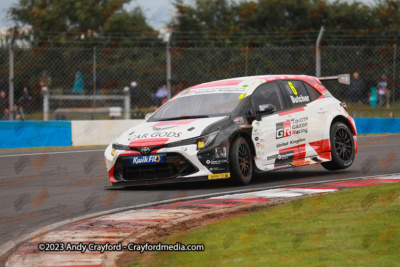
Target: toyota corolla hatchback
x=233 y=128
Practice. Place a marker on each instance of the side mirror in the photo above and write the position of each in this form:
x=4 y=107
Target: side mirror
x=264 y=110
x=148 y=115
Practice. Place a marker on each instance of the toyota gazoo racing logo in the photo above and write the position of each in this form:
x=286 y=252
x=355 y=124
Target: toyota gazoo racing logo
x=283 y=129
x=145 y=150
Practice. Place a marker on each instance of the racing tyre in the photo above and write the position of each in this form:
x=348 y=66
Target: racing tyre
x=342 y=147
x=241 y=162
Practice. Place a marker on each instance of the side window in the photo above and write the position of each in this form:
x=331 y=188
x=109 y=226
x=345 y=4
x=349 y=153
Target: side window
x=267 y=93
x=314 y=94
x=297 y=93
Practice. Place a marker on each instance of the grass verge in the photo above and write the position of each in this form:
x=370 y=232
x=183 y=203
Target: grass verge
x=351 y=227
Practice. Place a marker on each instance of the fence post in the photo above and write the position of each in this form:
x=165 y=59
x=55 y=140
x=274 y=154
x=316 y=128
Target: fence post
x=94 y=81
x=127 y=102
x=11 y=74
x=247 y=61
x=169 y=66
x=394 y=73
x=45 y=93
x=318 y=53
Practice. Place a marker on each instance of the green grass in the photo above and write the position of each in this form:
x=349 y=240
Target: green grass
x=365 y=111
x=351 y=227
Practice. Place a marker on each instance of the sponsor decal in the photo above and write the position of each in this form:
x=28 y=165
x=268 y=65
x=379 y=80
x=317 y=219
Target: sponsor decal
x=293 y=89
x=262 y=146
x=297 y=141
x=147 y=159
x=300 y=125
x=282 y=144
x=258 y=145
x=301 y=163
x=177 y=122
x=327 y=94
x=282 y=157
x=283 y=129
x=214 y=90
x=183 y=148
x=286 y=155
x=300 y=99
x=163 y=128
x=242 y=96
x=155 y=135
x=219 y=176
x=288 y=128
x=216 y=162
x=217 y=169
x=256 y=138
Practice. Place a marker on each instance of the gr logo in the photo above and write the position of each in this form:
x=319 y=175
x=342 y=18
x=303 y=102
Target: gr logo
x=283 y=129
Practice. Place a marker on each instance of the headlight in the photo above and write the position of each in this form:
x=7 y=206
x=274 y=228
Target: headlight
x=204 y=141
x=116 y=146
x=201 y=142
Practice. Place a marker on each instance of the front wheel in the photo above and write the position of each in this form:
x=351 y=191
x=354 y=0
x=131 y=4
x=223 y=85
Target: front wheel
x=342 y=147
x=241 y=161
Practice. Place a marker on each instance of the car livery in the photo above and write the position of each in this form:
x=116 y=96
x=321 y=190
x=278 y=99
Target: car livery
x=230 y=129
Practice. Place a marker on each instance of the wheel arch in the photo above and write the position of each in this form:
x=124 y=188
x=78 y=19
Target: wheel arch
x=248 y=139
x=350 y=124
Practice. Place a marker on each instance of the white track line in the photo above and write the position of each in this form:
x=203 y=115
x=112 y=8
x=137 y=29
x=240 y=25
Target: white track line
x=59 y=152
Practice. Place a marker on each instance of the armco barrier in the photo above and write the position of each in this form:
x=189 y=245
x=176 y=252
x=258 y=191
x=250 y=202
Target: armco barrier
x=19 y=134
x=377 y=125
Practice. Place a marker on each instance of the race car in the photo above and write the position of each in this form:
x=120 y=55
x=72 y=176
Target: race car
x=231 y=129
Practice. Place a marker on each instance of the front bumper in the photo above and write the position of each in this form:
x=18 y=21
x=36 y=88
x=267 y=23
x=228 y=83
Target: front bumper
x=180 y=164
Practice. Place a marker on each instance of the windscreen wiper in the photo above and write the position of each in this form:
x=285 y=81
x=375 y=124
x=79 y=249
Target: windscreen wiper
x=185 y=117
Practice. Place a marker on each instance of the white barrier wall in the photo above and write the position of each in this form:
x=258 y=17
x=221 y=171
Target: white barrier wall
x=99 y=132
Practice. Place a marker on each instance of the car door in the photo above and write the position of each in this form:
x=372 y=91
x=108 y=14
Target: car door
x=309 y=117
x=272 y=134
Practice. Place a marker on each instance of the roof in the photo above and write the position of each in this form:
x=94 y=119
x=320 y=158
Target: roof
x=313 y=81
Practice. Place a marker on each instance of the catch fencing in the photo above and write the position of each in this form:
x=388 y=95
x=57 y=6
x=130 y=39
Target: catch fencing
x=88 y=83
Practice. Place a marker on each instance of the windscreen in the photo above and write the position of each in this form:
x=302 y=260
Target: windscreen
x=201 y=102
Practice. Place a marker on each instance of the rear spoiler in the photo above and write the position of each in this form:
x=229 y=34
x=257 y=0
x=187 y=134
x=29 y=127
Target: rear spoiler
x=342 y=78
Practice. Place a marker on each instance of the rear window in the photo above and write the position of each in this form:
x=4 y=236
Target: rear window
x=298 y=94
x=312 y=92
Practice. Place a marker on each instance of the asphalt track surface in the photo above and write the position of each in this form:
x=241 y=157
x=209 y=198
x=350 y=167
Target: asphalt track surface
x=42 y=187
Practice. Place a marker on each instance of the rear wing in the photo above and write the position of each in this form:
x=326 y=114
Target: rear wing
x=342 y=78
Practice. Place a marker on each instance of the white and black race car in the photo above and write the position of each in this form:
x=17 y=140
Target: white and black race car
x=232 y=128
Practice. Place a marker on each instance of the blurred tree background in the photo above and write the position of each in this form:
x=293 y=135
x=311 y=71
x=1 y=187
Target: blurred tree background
x=210 y=40
x=209 y=23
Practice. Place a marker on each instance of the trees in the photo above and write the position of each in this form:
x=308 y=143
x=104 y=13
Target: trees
x=275 y=22
x=78 y=22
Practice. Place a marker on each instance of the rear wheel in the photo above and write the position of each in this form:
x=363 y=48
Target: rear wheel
x=342 y=147
x=241 y=161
